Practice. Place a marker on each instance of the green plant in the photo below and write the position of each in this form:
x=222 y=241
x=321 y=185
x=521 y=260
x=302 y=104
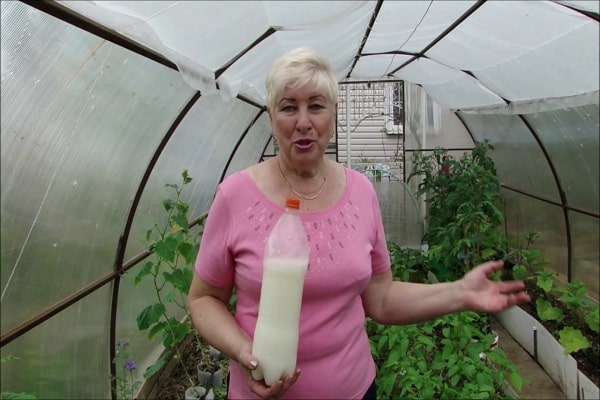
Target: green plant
x=463 y=209
x=125 y=384
x=210 y=372
x=9 y=395
x=571 y=298
x=174 y=246
x=524 y=259
x=448 y=357
x=440 y=359
x=566 y=304
x=408 y=264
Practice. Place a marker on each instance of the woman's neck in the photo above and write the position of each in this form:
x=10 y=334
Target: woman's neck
x=304 y=183
x=304 y=173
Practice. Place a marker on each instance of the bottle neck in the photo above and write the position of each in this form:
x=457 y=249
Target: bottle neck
x=290 y=210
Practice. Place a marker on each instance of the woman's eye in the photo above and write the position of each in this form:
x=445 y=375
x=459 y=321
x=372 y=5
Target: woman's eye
x=288 y=108
x=317 y=106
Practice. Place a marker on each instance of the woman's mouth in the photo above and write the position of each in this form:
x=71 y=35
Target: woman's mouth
x=303 y=144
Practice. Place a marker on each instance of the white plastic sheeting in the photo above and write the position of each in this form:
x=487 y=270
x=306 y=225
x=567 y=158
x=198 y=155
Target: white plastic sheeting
x=490 y=57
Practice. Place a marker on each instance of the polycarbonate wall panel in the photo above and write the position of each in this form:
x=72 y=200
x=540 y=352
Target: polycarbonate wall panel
x=80 y=120
x=251 y=148
x=571 y=139
x=66 y=357
x=524 y=214
x=520 y=163
x=201 y=144
x=402 y=218
x=428 y=125
x=585 y=232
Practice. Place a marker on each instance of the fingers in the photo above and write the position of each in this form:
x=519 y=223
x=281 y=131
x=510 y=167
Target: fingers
x=511 y=286
x=513 y=296
x=492 y=266
x=245 y=357
x=277 y=389
x=281 y=386
x=515 y=290
x=518 y=298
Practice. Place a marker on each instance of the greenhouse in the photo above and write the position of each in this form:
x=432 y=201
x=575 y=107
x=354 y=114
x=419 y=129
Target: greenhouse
x=121 y=118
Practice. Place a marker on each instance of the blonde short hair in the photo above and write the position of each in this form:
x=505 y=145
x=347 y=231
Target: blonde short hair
x=300 y=67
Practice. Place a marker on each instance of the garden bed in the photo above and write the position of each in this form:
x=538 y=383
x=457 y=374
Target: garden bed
x=575 y=374
x=588 y=360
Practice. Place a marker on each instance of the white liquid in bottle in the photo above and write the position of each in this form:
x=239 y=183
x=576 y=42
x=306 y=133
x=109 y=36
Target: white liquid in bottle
x=276 y=335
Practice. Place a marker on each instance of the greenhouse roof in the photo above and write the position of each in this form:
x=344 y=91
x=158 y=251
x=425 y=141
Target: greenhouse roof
x=490 y=56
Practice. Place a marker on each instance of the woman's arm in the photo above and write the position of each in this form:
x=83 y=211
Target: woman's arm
x=393 y=302
x=214 y=321
x=216 y=324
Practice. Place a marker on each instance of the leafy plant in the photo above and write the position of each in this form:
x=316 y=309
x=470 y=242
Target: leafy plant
x=210 y=372
x=439 y=359
x=567 y=304
x=448 y=357
x=524 y=259
x=463 y=209
x=175 y=247
x=408 y=264
x=570 y=298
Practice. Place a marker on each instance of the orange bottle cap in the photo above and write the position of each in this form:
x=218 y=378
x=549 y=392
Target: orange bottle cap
x=292 y=202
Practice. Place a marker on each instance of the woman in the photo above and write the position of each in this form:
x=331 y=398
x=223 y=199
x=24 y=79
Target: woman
x=349 y=274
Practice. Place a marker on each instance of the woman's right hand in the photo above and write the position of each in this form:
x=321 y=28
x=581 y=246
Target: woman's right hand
x=276 y=390
x=208 y=305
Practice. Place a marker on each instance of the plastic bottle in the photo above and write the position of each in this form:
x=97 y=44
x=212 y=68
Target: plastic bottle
x=275 y=342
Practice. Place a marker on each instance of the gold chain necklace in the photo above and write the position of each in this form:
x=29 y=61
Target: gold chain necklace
x=304 y=196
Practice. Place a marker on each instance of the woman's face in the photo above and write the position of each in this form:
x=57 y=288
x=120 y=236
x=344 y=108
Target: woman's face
x=303 y=122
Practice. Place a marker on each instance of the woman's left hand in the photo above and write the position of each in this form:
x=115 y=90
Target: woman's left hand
x=485 y=295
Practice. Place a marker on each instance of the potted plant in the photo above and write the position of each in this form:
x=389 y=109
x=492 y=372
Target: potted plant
x=210 y=372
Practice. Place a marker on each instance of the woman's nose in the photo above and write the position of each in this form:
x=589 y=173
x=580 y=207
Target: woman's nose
x=304 y=122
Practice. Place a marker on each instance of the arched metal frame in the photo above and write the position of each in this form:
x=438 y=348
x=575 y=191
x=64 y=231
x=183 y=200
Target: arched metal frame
x=62 y=13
